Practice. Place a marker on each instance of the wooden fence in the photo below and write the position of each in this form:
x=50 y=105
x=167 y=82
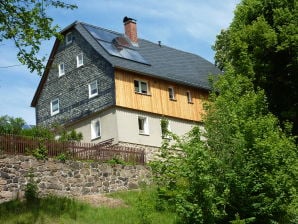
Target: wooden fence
x=103 y=151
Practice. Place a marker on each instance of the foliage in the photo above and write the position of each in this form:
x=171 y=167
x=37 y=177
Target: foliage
x=31 y=189
x=41 y=152
x=246 y=170
x=116 y=160
x=262 y=160
x=164 y=124
x=26 y=24
x=62 y=157
x=186 y=178
x=262 y=42
x=53 y=209
x=39 y=132
x=10 y=125
x=70 y=136
x=144 y=205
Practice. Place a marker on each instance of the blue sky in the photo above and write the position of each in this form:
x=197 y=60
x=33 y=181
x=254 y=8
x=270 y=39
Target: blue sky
x=188 y=25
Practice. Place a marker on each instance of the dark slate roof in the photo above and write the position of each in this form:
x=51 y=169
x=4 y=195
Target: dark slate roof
x=164 y=62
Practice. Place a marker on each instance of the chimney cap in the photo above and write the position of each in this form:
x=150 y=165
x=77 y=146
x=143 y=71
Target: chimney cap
x=127 y=19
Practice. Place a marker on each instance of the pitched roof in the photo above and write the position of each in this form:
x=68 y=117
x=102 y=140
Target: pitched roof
x=163 y=62
x=159 y=61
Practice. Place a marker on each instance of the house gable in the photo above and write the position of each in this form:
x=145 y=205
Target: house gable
x=72 y=88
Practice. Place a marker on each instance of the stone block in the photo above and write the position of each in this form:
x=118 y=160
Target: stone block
x=4 y=175
x=132 y=185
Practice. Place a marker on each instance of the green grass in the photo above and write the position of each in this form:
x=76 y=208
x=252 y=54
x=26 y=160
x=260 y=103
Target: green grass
x=139 y=209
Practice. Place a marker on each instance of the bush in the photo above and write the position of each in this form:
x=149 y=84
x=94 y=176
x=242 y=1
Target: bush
x=41 y=152
x=246 y=166
x=31 y=189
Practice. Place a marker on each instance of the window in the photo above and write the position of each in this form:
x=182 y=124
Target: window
x=61 y=69
x=54 y=107
x=171 y=93
x=141 y=87
x=189 y=98
x=93 y=89
x=68 y=38
x=143 y=125
x=80 y=61
x=95 y=129
x=165 y=128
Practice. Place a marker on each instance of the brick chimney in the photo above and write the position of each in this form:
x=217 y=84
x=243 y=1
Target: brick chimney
x=130 y=27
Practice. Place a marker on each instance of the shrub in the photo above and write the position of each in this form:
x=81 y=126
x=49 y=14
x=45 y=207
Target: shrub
x=31 y=189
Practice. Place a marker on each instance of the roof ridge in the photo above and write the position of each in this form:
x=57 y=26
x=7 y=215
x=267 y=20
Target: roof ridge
x=98 y=27
x=183 y=51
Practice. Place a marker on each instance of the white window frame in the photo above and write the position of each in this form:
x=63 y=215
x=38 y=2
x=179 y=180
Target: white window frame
x=53 y=110
x=138 y=86
x=61 y=69
x=68 y=38
x=95 y=131
x=80 y=60
x=171 y=93
x=143 y=127
x=169 y=129
x=189 y=97
x=90 y=88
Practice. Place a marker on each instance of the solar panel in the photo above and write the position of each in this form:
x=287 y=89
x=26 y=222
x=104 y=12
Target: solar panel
x=115 y=44
x=101 y=34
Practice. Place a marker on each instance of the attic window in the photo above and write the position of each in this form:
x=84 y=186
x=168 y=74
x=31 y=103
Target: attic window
x=61 y=69
x=54 y=106
x=189 y=98
x=171 y=93
x=141 y=87
x=93 y=89
x=68 y=38
x=80 y=60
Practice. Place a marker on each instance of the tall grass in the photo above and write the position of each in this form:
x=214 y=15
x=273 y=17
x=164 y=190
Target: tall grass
x=67 y=211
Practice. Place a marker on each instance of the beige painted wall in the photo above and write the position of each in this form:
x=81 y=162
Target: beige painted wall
x=127 y=120
x=108 y=126
x=122 y=125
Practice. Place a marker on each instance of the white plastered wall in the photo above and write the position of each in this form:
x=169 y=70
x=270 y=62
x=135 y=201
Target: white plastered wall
x=108 y=126
x=128 y=130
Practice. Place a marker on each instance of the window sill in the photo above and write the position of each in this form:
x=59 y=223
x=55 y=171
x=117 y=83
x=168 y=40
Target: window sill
x=145 y=134
x=144 y=94
x=92 y=96
x=53 y=114
x=96 y=138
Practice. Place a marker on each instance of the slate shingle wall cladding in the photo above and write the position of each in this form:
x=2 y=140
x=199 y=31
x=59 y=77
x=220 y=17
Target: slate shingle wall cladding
x=72 y=88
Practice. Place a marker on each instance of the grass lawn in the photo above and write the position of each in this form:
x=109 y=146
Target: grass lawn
x=139 y=208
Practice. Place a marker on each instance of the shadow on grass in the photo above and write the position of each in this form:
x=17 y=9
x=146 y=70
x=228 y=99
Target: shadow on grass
x=38 y=209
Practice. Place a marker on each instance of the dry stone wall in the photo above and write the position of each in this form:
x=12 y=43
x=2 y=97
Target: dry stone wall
x=72 y=178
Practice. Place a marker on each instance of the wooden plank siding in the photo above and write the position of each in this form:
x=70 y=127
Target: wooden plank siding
x=158 y=101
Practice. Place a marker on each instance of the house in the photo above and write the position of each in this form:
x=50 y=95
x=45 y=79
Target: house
x=112 y=85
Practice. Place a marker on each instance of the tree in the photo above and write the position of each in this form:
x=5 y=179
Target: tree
x=26 y=24
x=261 y=159
x=246 y=169
x=262 y=42
x=10 y=125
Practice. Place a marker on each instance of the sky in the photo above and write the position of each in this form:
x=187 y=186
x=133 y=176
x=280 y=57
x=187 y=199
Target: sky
x=188 y=25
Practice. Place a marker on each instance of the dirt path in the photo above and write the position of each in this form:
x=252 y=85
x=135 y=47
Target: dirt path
x=99 y=200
